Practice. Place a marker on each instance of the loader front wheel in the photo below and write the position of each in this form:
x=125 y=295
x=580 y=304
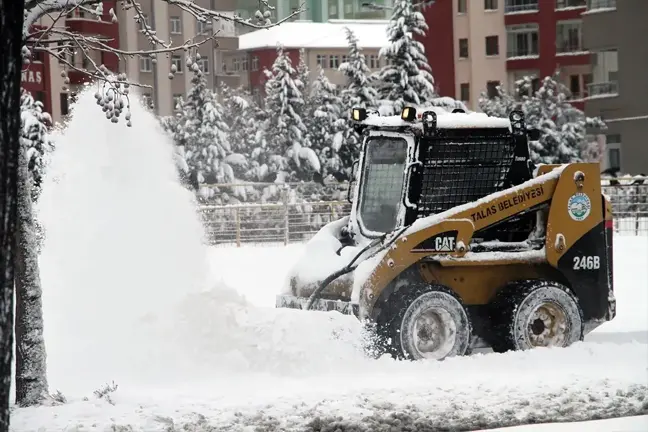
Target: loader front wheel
x=531 y=314
x=430 y=323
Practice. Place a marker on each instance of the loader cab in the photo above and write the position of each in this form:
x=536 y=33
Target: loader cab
x=427 y=161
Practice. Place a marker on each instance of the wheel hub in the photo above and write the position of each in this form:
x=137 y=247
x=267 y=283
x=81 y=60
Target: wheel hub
x=434 y=333
x=548 y=325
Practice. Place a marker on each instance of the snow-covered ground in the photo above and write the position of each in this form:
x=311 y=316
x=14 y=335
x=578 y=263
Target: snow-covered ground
x=191 y=337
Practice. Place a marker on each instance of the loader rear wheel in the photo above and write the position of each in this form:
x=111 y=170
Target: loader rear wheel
x=530 y=314
x=429 y=322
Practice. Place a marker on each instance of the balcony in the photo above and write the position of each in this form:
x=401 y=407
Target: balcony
x=603 y=89
x=520 y=6
x=601 y=5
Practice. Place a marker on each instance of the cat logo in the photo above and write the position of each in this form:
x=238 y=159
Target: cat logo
x=444 y=244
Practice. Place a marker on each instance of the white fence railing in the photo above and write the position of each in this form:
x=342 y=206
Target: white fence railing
x=284 y=223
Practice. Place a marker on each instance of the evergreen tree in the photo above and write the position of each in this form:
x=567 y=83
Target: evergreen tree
x=285 y=131
x=563 y=127
x=358 y=92
x=35 y=137
x=237 y=115
x=406 y=78
x=202 y=133
x=326 y=126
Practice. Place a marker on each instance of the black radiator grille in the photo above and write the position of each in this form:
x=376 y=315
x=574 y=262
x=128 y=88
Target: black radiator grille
x=461 y=169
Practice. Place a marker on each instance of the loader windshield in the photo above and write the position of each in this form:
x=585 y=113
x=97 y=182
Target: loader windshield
x=382 y=183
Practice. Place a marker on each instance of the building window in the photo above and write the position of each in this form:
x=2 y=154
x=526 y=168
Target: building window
x=464 y=90
x=177 y=102
x=490 y=5
x=492 y=89
x=334 y=62
x=203 y=65
x=374 y=61
x=574 y=86
x=605 y=70
x=203 y=27
x=462 y=6
x=147 y=100
x=244 y=63
x=333 y=11
x=255 y=63
x=587 y=80
x=345 y=58
x=492 y=45
x=563 y=4
x=521 y=6
x=146 y=64
x=177 y=62
x=236 y=65
x=613 y=147
x=522 y=40
x=321 y=61
x=463 y=48
x=569 y=36
x=176 y=25
x=65 y=108
x=601 y=4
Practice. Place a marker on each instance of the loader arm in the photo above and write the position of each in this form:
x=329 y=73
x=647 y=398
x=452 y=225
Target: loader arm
x=449 y=234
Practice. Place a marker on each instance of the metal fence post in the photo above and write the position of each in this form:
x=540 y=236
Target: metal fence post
x=238 y=227
x=286 y=219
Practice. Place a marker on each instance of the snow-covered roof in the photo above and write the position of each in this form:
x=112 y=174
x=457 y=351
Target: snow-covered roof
x=307 y=34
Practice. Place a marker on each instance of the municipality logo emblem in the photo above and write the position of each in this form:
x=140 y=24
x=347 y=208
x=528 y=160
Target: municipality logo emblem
x=579 y=206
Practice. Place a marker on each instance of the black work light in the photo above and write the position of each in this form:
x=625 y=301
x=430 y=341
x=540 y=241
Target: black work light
x=359 y=114
x=408 y=113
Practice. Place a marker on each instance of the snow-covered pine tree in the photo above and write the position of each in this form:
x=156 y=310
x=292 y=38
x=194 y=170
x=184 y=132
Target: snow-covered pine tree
x=238 y=115
x=407 y=76
x=36 y=138
x=359 y=91
x=285 y=131
x=303 y=74
x=326 y=126
x=563 y=127
x=202 y=132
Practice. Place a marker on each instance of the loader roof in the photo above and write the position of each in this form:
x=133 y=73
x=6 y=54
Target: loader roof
x=445 y=120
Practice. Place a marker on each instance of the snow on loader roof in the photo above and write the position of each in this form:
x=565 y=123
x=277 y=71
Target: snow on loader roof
x=445 y=119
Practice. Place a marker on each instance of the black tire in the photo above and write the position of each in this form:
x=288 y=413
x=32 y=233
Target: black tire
x=535 y=313
x=447 y=315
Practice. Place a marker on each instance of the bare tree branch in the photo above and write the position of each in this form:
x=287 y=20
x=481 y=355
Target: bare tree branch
x=70 y=42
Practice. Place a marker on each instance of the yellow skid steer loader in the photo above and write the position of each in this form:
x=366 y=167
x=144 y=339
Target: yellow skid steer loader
x=456 y=241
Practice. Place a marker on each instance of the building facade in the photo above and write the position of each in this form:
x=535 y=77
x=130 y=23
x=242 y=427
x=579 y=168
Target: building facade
x=324 y=45
x=475 y=45
x=172 y=23
x=618 y=91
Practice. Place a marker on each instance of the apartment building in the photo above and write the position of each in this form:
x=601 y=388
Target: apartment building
x=325 y=46
x=321 y=10
x=172 y=23
x=618 y=91
x=475 y=45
